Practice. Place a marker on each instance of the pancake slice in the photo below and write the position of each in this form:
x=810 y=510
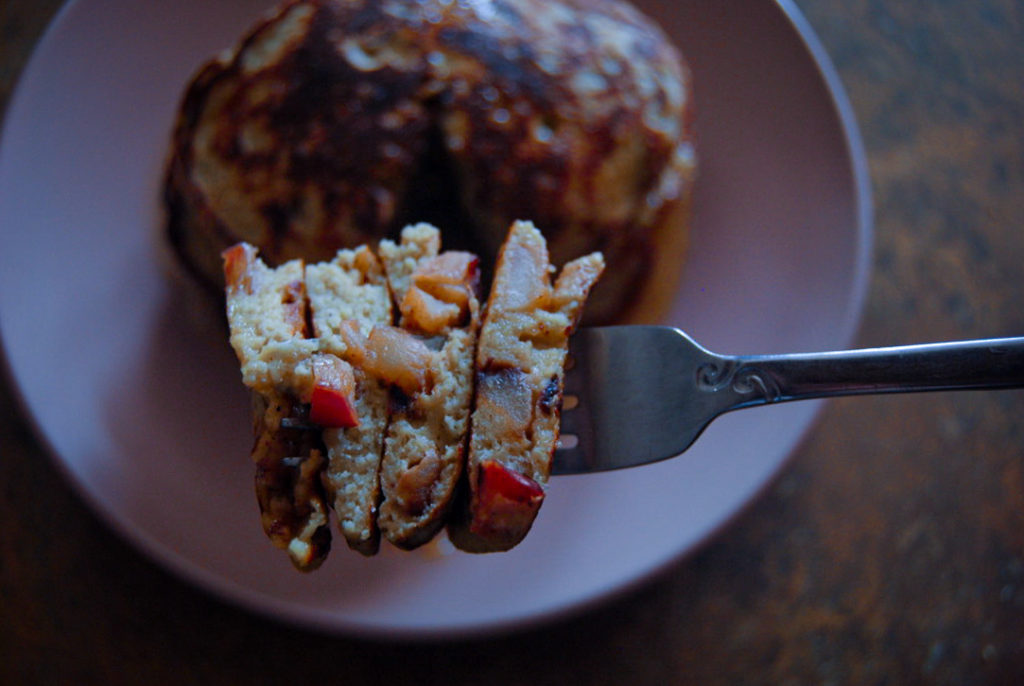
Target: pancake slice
x=348 y=297
x=436 y=294
x=519 y=374
x=266 y=311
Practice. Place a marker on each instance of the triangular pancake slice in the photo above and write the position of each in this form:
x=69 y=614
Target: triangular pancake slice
x=519 y=374
x=436 y=294
x=349 y=295
x=266 y=311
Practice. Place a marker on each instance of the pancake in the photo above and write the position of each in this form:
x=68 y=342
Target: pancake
x=333 y=124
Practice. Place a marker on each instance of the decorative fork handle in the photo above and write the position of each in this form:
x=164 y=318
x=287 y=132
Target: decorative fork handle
x=760 y=379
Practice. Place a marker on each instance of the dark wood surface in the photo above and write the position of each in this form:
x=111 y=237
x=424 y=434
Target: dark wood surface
x=889 y=551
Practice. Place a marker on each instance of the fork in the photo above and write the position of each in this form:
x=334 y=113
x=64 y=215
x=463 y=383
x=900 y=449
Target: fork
x=640 y=394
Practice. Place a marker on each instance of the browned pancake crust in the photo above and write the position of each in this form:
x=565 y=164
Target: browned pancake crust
x=335 y=123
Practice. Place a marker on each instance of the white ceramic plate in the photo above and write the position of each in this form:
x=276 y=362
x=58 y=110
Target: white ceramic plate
x=138 y=395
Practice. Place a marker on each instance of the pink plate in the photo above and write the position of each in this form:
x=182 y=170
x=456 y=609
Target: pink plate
x=137 y=394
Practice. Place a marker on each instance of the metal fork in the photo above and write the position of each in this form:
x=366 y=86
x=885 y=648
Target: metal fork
x=639 y=394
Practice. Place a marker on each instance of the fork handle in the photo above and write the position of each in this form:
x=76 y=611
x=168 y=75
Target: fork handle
x=988 y=363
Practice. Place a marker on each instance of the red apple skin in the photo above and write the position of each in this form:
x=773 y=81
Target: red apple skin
x=332 y=402
x=498 y=480
x=332 y=408
x=506 y=503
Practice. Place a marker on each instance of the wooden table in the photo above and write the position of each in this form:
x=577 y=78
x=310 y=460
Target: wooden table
x=890 y=549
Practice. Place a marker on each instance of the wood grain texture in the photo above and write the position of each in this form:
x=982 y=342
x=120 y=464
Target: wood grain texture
x=889 y=551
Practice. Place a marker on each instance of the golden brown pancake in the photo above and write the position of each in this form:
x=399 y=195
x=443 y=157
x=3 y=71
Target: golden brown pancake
x=335 y=123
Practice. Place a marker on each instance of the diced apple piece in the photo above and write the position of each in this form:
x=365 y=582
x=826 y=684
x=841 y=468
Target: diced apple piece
x=450 y=276
x=238 y=262
x=497 y=480
x=451 y=266
x=423 y=311
x=332 y=409
x=398 y=357
x=506 y=501
x=455 y=294
x=525 y=282
x=355 y=342
x=333 y=399
x=366 y=263
x=390 y=354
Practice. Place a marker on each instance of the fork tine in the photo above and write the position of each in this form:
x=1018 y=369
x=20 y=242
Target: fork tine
x=629 y=402
x=576 y=449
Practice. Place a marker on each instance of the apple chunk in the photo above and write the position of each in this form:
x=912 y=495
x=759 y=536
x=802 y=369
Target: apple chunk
x=390 y=354
x=239 y=260
x=332 y=403
x=422 y=311
x=442 y=288
x=506 y=501
x=522 y=280
x=451 y=277
x=399 y=358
